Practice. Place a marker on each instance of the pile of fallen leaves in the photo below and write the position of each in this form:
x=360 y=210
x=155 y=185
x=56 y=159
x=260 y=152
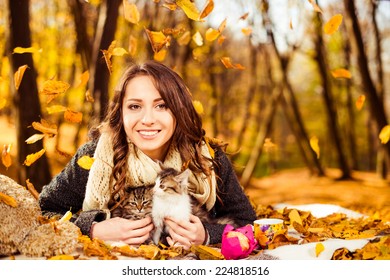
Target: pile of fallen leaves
x=337 y=225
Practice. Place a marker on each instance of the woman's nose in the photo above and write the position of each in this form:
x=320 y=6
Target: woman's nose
x=148 y=118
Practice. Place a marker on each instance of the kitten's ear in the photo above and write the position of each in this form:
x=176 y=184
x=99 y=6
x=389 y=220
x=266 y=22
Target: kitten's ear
x=183 y=177
x=160 y=165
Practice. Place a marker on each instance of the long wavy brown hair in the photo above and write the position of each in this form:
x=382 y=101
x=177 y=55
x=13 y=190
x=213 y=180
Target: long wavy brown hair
x=188 y=134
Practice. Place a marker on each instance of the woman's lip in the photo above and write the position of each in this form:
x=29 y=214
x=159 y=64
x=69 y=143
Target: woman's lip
x=148 y=133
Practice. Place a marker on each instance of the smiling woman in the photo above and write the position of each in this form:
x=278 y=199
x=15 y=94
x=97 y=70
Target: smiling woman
x=151 y=119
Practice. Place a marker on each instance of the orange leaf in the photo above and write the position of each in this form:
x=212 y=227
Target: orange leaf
x=85 y=162
x=32 y=189
x=107 y=55
x=31 y=158
x=9 y=200
x=244 y=16
x=84 y=79
x=341 y=73
x=222 y=26
x=6 y=158
x=246 y=31
x=51 y=87
x=226 y=61
x=74 y=117
x=160 y=56
x=212 y=34
x=333 y=24
x=360 y=102
x=158 y=40
x=18 y=76
x=208 y=8
x=45 y=127
x=315 y=6
x=131 y=12
x=55 y=109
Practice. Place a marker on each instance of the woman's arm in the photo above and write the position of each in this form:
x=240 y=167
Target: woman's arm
x=66 y=192
x=231 y=202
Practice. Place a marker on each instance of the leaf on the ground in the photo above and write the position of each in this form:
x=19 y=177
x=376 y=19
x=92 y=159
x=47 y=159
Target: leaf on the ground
x=206 y=252
x=85 y=162
x=9 y=200
x=319 y=249
x=34 y=138
x=384 y=134
x=333 y=24
x=294 y=217
x=18 y=76
x=6 y=158
x=72 y=116
x=30 y=187
x=227 y=62
x=131 y=12
x=61 y=257
x=31 y=158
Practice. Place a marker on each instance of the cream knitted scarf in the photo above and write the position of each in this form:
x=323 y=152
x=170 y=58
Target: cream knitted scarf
x=142 y=171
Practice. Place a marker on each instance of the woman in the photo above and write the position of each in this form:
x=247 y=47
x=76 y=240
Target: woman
x=151 y=118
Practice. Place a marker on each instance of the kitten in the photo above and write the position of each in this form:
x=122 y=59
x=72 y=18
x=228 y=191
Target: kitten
x=171 y=198
x=136 y=205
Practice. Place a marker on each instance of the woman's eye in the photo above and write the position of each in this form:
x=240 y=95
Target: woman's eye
x=134 y=107
x=161 y=106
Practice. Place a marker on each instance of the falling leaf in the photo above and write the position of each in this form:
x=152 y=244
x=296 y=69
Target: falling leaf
x=131 y=12
x=34 y=138
x=198 y=39
x=291 y=24
x=107 y=54
x=198 y=107
x=244 y=16
x=72 y=116
x=55 y=109
x=341 y=73
x=222 y=26
x=9 y=200
x=51 y=87
x=85 y=162
x=384 y=135
x=119 y=52
x=21 y=50
x=45 y=127
x=226 y=61
x=67 y=216
x=319 y=248
x=314 y=145
x=31 y=158
x=189 y=9
x=184 y=39
x=132 y=49
x=18 y=76
x=83 y=79
x=89 y=97
x=6 y=158
x=158 y=40
x=32 y=189
x=208 y=8
x=315 y=6
x=246 y=31
x=3 y=102
x=160 y=56
x=360 y=102
x=221 y=39
x=212 y=34
x=170 y=6
x=333 y=24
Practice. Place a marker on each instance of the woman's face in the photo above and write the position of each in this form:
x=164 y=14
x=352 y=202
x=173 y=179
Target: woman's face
x=148 y=123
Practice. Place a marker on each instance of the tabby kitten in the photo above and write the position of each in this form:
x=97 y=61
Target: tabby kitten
x=171 y=199
x=136 y=205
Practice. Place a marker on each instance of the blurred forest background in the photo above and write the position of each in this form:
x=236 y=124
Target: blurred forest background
x=287 y=83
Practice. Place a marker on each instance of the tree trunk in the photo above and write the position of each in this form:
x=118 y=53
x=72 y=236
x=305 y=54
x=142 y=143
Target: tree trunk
x=328 y=98
x=26 y=98
x=99 y=73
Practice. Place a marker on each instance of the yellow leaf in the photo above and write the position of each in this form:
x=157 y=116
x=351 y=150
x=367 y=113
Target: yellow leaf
x=206 y=253
x=132 y=45
x=197 y=38
x=226 y=61
x=160 y=56
x=119 y=52
x=66 y=216
x=158 y=40
x=184 y=39
x=6 y=158
x=341 y=73
x=189 y=9
x=18 y=76
x=246 y=31
x=61 y=258
x=212 y=34
x=222 y=26
x=319 y=248
x=314 y=145
x=84 y=79
x=208 y=8
x=170 y=6
x=34 y=138
x=51 y=87
x=198 y=107
x=360 y=102
x=384 y=135
x=55 y=109
x=131 y=12
x=74 y=117
x=89 y=97
x=21 y=50
x=30 y=159
x=107 y=55
x=9 y=200
x=333 y=24
x=45 y=127
x=85 y=162
x=295 y=217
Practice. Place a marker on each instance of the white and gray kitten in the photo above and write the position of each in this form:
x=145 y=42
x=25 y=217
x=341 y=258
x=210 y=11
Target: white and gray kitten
x=171 y=199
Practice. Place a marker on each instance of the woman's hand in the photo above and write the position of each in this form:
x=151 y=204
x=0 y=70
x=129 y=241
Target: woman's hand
x=185 y=233
x=119 y=229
